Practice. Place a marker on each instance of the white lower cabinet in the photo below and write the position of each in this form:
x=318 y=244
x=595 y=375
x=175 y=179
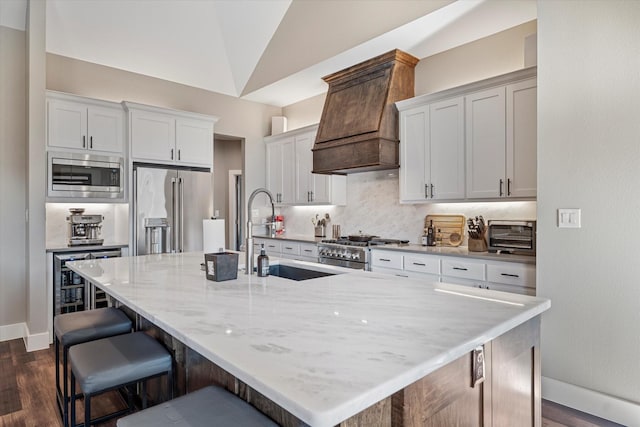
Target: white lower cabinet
x=289 y=249
x=484 y=274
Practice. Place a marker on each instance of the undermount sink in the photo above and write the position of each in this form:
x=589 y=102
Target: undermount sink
x=296 y=273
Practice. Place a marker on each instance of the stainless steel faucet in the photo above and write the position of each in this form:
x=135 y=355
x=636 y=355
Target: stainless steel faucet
x=248 y=265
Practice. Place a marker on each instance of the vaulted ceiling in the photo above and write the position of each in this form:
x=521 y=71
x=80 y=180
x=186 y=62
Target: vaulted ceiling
x=270 y=51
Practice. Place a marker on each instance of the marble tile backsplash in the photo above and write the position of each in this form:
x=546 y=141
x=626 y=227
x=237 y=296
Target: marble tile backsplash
x=115 y=226
x=373 y=207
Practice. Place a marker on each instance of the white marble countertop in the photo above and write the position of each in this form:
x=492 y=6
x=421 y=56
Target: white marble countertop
x=323 y=349
x=461 y=251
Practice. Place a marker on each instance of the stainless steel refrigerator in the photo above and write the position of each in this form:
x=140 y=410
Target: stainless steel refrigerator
x=184 y=197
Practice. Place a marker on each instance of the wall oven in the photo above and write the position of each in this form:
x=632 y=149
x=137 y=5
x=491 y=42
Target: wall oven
x=85 y=175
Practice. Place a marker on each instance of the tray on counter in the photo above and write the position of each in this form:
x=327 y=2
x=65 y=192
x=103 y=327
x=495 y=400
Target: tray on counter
x=451 y=228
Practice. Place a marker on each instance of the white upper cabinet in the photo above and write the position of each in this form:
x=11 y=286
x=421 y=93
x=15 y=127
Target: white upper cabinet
x=280 y=168
x=522 y=139
x=486 y=137
x=289 y=166
x=84 y=124
x=170 y=137
x=194 y=141
x=152 y=136
x=446 y=150
x=432 y=152
x=501 y=142
x=476 y=141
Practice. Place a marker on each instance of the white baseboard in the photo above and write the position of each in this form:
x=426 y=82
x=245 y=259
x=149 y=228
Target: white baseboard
x=592 y=402
x=35 y=342
x=12 y=332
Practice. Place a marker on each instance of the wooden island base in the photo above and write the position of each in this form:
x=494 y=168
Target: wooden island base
x=509 y=396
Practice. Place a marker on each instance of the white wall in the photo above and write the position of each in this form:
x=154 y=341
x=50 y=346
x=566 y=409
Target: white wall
x=588 y=158
x=12 y=182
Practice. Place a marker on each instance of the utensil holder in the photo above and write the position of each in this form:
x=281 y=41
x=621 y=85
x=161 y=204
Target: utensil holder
x=477 y=245
x=319 y=231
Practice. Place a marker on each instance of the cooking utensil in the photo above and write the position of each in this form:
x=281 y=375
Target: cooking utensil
x=361 y=237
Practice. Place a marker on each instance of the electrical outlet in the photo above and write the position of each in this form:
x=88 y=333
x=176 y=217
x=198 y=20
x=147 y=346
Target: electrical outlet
x=569 y=218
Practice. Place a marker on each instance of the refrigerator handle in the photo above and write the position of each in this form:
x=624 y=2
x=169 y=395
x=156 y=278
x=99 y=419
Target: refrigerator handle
x=173 y=215
x=181 y=212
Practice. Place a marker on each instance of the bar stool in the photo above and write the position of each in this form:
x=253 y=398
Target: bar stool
x=115 y=362
x=76 y=328
x=207 y=407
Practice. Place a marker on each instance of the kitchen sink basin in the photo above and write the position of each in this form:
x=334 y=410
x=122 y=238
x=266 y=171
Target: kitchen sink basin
x=296 y=273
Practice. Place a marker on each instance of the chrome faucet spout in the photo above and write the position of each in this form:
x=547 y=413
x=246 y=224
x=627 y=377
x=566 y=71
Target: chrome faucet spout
x=248 y=250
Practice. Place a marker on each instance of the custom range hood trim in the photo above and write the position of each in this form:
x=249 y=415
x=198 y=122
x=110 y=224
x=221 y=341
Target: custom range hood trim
x=358 y=130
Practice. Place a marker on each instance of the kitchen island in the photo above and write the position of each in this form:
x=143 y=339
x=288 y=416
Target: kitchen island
x=354 y=348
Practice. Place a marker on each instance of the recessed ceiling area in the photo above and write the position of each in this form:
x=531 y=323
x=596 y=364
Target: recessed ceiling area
x=270 y=51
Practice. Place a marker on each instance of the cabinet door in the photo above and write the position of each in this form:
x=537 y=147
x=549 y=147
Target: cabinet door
x=105 y=129
x=521 y=139
x=67 y=124
x=304 y=179
x=288 y=171
x=194 y=142
x=414 y=131
x=153 y=136
x=281 y=170
x=446 y=150
x=274 y=170
x=485 y=132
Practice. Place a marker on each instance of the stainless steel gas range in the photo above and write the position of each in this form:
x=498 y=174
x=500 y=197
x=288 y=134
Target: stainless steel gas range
x=352 y=251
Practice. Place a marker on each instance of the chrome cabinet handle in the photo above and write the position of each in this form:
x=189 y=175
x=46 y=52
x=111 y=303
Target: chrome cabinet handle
x=179 y=154
x=91 y=142
x=311 y=195
x=419 y=263
x=508 y=186
x=426 y=191
x=385 y=259
x=432 y=191
x=84 y=141
x=460 y=268
x=172 y=154
x=501 y=182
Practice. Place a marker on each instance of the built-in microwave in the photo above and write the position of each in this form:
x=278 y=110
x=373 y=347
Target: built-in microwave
x=85 y=175
x=517 y=237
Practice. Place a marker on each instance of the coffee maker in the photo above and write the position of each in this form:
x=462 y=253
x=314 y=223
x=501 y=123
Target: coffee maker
x=84 y=229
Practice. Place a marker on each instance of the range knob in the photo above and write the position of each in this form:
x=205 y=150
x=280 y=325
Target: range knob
x=355 y=256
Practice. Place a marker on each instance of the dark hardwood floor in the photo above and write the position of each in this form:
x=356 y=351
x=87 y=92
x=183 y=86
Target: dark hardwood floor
x=27 y=394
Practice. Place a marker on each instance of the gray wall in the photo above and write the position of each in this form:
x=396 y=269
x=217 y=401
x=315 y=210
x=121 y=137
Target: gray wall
x=588 y=158
x=13 y=148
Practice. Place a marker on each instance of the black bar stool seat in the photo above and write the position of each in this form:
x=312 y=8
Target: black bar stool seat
x=114 y=362
x=207 y=407
x=80 y=327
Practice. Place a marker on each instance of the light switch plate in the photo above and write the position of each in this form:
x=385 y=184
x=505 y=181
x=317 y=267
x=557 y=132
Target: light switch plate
x=569 y=218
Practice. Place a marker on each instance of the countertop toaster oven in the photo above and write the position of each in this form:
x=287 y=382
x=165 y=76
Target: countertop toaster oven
x=510 y=236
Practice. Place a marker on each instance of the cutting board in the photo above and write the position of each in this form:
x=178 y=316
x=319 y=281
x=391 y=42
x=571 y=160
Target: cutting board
x=451 y=228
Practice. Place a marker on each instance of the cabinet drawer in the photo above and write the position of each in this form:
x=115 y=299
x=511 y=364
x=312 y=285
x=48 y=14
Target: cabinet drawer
x=289 y=248
x=309 y=250
x=512 y=274
x=386 y=259
x=389 y=271
x=422 y=264
x=513 y=289
x=463 y=269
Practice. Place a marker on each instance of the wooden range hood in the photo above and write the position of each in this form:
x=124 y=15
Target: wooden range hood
x=358 y=129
